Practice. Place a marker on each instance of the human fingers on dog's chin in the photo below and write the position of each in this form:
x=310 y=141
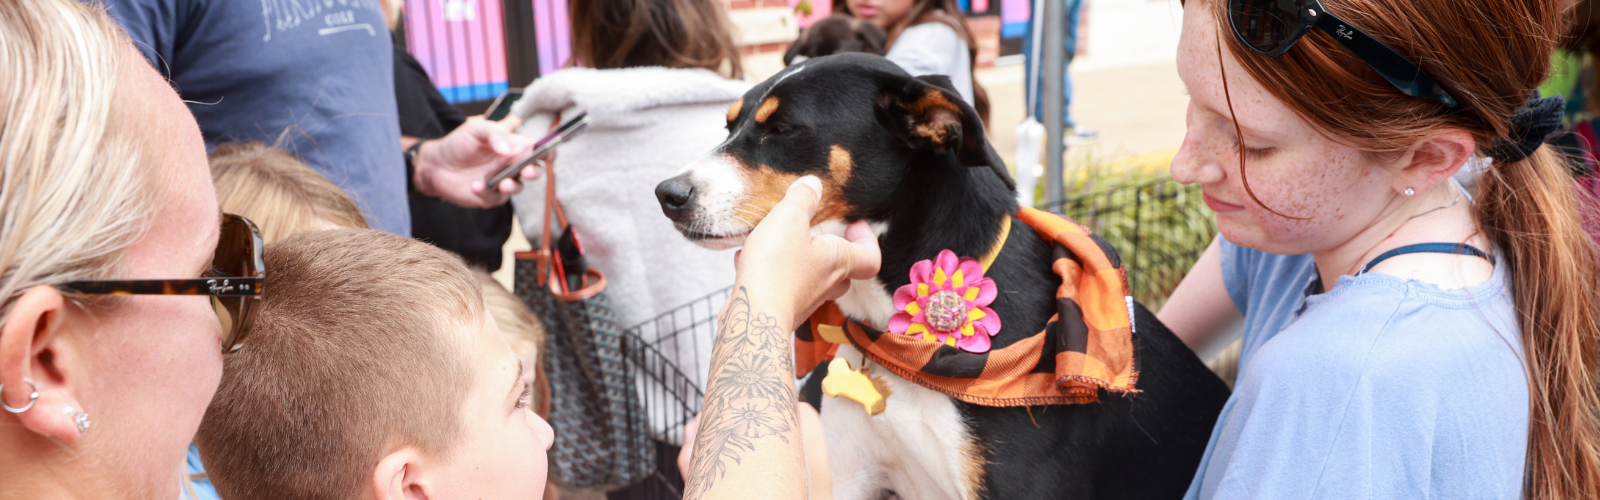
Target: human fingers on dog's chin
x=866 y=256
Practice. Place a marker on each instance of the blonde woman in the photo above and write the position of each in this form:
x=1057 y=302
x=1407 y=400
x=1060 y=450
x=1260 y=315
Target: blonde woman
x=103 y=394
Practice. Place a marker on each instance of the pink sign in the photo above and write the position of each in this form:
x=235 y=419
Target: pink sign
x=462 y=45
x=819 y=10
x=550 y=26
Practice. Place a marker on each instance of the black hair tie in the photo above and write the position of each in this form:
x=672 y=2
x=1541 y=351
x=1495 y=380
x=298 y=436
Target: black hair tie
x=1534 y=121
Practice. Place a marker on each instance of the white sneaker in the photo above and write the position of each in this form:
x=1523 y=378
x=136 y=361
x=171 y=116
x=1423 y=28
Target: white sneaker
x=1079 y=136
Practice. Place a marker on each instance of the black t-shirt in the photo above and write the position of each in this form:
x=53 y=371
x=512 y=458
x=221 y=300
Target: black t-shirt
x=477 y=235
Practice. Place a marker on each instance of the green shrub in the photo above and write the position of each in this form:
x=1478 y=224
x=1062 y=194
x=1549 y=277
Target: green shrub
x=1158 y=225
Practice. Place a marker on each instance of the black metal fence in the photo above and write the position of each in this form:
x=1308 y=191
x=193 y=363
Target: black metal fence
x=1161 y=227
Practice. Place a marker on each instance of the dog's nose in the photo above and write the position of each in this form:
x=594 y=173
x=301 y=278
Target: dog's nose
x=674 y=195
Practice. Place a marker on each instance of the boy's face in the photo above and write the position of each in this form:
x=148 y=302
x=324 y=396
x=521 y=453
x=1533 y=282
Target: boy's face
x=503 y=455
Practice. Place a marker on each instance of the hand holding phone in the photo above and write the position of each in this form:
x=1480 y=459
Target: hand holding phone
x=563 y=133
x=501 y=107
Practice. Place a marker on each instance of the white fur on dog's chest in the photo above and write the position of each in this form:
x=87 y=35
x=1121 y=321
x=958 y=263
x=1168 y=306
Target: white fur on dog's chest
x=919 y=447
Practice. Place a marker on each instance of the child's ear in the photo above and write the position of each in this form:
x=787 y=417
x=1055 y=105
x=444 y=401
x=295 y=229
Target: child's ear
x=400 y=475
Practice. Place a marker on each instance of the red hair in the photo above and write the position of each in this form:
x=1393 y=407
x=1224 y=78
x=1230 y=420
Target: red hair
x=1490 y=55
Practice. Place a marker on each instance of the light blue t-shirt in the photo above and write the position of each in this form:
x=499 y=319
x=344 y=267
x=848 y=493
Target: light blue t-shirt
x=1381 y=388
x=201 y=486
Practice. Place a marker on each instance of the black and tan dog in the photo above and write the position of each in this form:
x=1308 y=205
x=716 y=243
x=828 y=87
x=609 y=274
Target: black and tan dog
x=900 y=152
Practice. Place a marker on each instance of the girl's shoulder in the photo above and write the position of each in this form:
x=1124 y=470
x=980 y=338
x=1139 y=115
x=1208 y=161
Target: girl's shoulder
x=1401 y=333
x=934 y=29
x=615 y=93
x=1374 y=325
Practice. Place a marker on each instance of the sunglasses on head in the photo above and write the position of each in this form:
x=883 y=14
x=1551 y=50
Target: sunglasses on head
x=1271 y=27
x=233 y=283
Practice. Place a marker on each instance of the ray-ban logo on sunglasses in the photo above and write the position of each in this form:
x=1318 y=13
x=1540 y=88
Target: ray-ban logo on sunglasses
x=1346 y=32
x=220 y=288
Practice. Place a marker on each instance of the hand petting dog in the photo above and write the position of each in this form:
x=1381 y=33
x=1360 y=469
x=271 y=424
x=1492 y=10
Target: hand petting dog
x=783 y=262
x=749 y=439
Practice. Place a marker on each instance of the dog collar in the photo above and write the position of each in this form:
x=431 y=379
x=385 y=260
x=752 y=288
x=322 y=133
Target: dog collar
x=1085 y=347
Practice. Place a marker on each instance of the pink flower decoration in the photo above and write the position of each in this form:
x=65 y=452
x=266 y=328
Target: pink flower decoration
x=947 y=302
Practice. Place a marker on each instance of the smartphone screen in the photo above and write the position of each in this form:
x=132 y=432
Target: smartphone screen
x=567 y=130
x=502 y=105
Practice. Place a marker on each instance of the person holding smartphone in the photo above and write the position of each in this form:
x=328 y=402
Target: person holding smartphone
x=476 y=233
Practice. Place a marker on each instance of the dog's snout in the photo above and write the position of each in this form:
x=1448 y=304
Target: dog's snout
x=674 y=195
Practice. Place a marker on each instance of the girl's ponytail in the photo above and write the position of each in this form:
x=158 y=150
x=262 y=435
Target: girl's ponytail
x=1531 y=209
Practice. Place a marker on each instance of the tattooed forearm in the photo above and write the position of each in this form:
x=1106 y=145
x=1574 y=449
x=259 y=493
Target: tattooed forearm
x=750 y=396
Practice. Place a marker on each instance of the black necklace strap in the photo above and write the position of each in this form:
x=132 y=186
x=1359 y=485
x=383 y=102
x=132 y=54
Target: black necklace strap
x=1451 y=248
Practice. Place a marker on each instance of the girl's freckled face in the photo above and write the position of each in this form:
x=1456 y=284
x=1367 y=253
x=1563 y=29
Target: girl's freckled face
x=1329 y=191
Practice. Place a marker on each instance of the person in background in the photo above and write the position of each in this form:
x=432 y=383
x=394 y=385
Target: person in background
x=284 y=197
x=280 y=193
x=102 y=392
x=1073 y=9
x=315 y=79
x=926 y=37
x=526 y=335
x=657 y=89
x=837 y=34
x=476 y=234
x=1402 y=337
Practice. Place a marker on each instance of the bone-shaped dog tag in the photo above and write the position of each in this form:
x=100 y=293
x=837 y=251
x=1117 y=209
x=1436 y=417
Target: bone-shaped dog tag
x=852 y=384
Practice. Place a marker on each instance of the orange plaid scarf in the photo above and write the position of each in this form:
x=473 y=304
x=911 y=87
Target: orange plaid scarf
x=1086 y=346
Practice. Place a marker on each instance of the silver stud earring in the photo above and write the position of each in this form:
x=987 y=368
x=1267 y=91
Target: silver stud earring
x=1411 y=192
x=80 y=418
x=33 y=397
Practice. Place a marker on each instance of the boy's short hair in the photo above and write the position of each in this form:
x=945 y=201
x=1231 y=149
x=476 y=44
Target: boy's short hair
x=361 y=345
x=279 y=193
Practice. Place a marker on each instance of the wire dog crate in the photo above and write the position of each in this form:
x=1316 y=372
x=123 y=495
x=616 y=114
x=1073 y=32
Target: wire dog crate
x=666 y=359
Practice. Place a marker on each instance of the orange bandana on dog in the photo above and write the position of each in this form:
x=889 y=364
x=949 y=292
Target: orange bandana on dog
x=1086 y=346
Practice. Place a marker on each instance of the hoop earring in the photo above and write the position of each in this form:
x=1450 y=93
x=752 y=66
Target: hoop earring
x=33 y=397
x=1410 y=192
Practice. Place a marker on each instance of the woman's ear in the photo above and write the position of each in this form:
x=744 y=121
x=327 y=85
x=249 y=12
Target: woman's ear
x=1434 y=160
x=400 y=475
x=35 y=359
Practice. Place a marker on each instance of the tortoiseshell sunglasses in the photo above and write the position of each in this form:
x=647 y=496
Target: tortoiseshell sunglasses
x=233 y=283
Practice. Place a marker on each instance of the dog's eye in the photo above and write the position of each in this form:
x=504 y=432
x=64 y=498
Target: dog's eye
x=779 y=129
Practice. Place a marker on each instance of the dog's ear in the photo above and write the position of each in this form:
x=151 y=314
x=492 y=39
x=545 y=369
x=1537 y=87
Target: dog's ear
x=929 y=113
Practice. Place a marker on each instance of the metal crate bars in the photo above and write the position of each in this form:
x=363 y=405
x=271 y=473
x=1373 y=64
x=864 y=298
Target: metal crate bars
x=1161 y=227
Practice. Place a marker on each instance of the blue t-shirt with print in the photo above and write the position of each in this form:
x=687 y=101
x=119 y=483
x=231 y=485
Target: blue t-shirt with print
x=1381 y=388
x=315 y=77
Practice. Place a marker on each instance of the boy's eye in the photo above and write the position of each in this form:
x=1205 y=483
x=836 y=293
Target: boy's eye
x=525 y=400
